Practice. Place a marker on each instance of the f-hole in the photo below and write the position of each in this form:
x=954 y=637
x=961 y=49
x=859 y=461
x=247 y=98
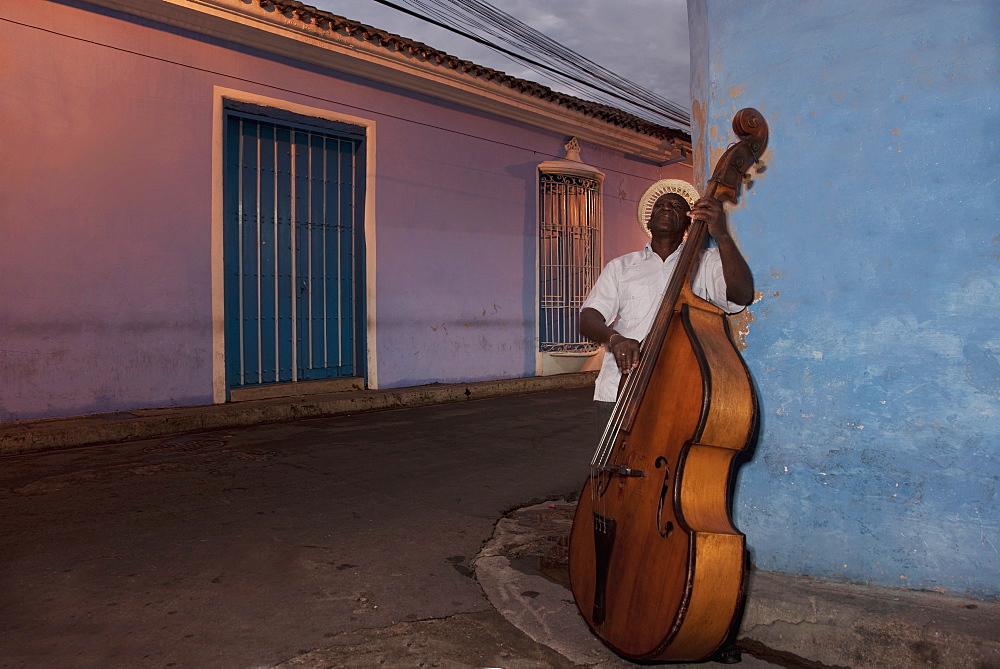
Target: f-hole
x=665 y=529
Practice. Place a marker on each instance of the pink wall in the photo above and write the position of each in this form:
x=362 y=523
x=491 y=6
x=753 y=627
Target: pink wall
x=105 y=297
x=106 y=185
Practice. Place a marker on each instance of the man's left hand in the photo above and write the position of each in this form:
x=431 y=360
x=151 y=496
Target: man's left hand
x=712 y=212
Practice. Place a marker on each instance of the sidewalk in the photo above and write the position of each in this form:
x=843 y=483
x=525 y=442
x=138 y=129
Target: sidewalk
x=790 y=621
x=369 y=539
x=40 y=435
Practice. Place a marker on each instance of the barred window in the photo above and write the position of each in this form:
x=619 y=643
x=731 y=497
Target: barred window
x=571 y=215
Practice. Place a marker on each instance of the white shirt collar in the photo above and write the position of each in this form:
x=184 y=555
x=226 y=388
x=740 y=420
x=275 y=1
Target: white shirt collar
x=648 y=251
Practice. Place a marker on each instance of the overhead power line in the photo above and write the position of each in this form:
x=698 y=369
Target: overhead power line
x=332 y=101
x=480 y=22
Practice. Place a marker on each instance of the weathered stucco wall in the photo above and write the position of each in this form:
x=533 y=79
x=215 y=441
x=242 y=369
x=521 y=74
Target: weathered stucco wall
x=106 y=267
x=106 y=181
x=874 y=241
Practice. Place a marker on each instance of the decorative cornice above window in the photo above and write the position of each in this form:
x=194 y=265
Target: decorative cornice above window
x=571 y=164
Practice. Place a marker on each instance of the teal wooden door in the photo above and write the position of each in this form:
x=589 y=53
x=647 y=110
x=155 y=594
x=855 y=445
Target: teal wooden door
x=293 y=250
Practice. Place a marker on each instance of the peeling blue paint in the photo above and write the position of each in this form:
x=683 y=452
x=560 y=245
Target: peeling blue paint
x=876 y=344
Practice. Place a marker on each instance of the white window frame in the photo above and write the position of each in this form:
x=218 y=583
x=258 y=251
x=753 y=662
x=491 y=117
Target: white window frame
x=570 y=227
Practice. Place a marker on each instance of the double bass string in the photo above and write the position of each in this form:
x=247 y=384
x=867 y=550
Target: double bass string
x=635 y=384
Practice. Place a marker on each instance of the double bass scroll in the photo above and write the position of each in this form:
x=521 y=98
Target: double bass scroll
x=656 y=564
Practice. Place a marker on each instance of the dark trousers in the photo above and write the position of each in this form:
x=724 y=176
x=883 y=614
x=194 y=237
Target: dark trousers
x=604 y=411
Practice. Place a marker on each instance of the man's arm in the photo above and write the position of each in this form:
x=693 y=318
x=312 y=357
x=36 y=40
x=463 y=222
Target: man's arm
x=736 y=272
x=593 y=327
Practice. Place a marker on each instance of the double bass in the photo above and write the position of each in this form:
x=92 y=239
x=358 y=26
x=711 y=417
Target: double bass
x=657 y=567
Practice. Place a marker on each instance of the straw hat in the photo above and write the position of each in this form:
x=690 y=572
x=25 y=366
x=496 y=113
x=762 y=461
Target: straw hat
x=662 y=187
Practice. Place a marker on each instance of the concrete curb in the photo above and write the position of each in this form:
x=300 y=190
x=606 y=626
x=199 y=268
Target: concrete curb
x=789 y=620
x=861 y=626
x=538 y=606
x=31 y=436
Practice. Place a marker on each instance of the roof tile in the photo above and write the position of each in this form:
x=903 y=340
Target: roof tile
x=329 y=21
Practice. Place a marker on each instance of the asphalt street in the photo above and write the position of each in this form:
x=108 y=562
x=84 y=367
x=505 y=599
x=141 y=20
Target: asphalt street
x=430 y=536
x=248 y=547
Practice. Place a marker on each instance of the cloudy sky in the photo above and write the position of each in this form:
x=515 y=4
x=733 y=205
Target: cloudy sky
x=645 y=41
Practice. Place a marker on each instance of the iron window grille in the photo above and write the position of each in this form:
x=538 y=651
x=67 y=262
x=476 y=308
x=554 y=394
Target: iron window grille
x=569 y=256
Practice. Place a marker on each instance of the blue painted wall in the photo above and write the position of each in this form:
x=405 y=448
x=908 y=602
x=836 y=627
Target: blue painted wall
x=873 y=235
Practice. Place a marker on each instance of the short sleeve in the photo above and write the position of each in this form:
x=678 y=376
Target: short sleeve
x=604 y=295
x=710 y=284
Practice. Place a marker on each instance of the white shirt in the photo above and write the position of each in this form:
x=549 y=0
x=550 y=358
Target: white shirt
x=628 y=294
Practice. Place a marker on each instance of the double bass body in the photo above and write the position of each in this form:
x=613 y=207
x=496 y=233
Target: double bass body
x=656 y=565
x=674 y=574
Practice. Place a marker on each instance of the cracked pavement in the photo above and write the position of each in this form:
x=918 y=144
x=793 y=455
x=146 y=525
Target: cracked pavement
x=421 y=537
x=250 y=547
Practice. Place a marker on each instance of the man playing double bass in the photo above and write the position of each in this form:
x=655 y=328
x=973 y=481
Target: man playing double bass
x=621 y=306
x=656 y=566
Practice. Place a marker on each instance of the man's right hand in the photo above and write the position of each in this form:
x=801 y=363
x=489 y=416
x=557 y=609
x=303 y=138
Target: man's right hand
x=626 y=352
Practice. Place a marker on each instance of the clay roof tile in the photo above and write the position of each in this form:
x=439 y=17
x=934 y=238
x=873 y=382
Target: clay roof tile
x=329 y=21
